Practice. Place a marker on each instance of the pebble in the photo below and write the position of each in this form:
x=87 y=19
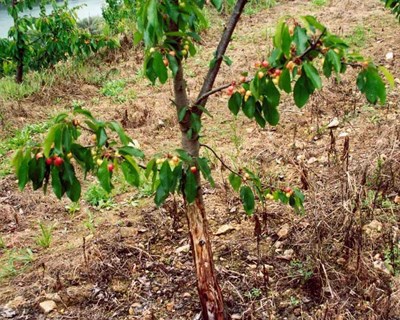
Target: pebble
x=47 y=306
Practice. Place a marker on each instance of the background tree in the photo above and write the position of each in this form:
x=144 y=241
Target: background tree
x=302 y=51
x=40 y=42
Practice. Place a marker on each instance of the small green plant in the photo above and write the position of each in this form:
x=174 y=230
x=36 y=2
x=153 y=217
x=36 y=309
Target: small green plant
x=98 y=197
x=319 y=2
x=392 y=259
x=294 y=301
x=113 y=88
x=89 y=222
x=254 y=293
x=46 y=234
x=13 y=261
x=2 y=244
x=358 y=37
x=301 y=270
x=73 y=208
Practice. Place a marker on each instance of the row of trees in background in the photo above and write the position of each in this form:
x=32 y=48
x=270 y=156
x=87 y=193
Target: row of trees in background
x=36 y=43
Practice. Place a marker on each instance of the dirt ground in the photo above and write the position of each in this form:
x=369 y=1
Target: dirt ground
x=341 y=260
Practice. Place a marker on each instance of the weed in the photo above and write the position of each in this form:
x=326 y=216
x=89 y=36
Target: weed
x=89 y=223
x=73 y=208
x=300 y=270
x=2 y=243
x=13 y=261
x=254 y=293
x=45 y=237
x=358 y=37
x=392 y=259
x=113 y=88
x=319 y=2
x=98 y=197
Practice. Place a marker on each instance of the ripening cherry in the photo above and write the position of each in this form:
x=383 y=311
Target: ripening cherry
x=58 y=161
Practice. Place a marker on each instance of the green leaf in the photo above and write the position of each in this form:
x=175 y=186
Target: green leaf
x=173 y=64
x=182 y=113
x=235 y=181
x=235 y=102
x=56 y=182
x=312 y=74
x=205 y=170
x=165 y=176
x=227 y=60
x=389 y=77
x=217 y=4
x=66 y=139
x=104 y=176
x=131 y=151
x=183 y=155
x=159 y=67
x=151 y=167
x=370 y=83
x=247 y=197
x=130 y=173
x=286 y=41
x=300 y=38
x=259 y=117
x=285 y=81
x=60 y=117
x=271 y=113
x=161 y=195
x=249 y=107
x=74 y=190
x=50 y=139
x=195 y=122
x=273 y=95
x=301 y=91
x=37 y=170
x=313 y=23
x=116 y=127
x=334 y=59
x=101 y=136
x=190 y=187
x=23 y=172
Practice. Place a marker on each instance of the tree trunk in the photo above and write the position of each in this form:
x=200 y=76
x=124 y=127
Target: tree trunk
x=20 y=66
x=209 y=291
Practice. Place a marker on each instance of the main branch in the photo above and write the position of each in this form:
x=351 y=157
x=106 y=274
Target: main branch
x=222 y=46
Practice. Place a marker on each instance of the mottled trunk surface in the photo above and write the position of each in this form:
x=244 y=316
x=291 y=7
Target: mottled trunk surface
x=209 y=291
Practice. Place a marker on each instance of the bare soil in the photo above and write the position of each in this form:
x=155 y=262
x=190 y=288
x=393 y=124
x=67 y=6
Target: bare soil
x=341 y=260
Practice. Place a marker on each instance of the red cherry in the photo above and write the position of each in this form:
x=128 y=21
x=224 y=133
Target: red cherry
x=265 y=64
x=193 y=169
x=49 y=161
x=110 y=167
x=58 y=161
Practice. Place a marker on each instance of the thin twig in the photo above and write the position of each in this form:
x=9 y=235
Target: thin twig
x=220 y=159
x=312 y=46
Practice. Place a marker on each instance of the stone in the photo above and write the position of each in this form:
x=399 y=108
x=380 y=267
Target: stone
x=283 y=231
x=16 y=303
x=334 y=123
x=7 y=313
x=236 y=316
x=287 y=255
x=127 y=232
x=78 y=294
x=47 y=306
x=225 y=229
x=184 y=248
x=373 y=229
x=312 y=160
x=389 y=56
x=53 y=296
